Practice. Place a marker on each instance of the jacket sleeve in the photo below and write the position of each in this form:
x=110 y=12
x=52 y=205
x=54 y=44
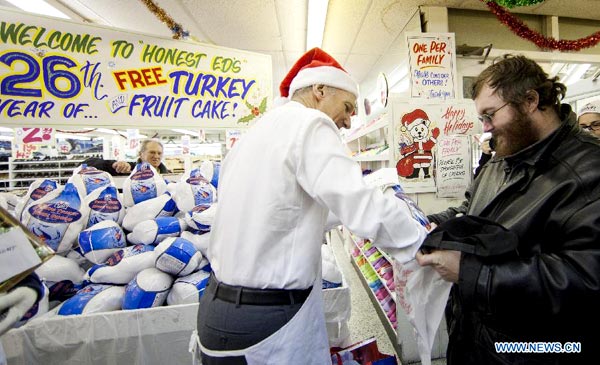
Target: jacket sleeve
x=101 y=164
x=328 y=174
x=564 y=277
x=462 y=209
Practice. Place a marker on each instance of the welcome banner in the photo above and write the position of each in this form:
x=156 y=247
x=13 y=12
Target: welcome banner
x=65 y=74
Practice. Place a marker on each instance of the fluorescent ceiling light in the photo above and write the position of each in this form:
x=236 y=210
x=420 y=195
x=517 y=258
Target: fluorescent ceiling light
x=71 y=136
x=6 y=138
x=4 y=129
x=315 y=23
x=188 y=132
x=38 y=7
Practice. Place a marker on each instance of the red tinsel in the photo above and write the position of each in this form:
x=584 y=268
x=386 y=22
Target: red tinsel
x=523 y=31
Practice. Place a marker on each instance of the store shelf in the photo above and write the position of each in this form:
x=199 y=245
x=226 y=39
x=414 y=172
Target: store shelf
x=372 y=126
x=378 y=157
x=21 y=173
x=387 y=258
x=387 y=325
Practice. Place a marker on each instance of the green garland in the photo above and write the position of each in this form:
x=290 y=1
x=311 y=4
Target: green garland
x=513 y=3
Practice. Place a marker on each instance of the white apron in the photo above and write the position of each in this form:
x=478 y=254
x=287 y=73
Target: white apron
x=303 y=340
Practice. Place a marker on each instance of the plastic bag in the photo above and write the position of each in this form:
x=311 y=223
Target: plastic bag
x=422 y=294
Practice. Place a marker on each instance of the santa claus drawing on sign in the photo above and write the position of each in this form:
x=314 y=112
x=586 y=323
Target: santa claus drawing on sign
x=416 y=143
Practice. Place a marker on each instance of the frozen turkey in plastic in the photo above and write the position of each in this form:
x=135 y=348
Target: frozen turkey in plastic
x=87 y=179
x=143 y=183
x=149 y=289
x=38 y=189
x=57 y=219
x=161 y=206
x=122 y=266
x=199 y=240
x=188 y=289
x=153 y=231
x=194 y=189
x=94 y=298
x=59 y=268
x=177 y=256
x=201 y=217
x=101 y=240
x=104 y=204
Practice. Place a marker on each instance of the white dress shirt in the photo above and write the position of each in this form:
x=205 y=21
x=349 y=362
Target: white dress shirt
x=276 y=188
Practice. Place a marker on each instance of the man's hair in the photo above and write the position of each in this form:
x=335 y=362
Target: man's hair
x=514 y=76
x=144 y=147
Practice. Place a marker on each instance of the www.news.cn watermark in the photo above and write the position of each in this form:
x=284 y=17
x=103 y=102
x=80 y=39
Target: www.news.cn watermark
x=538 y=347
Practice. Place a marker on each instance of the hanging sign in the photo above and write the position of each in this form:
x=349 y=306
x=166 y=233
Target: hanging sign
x=432 y=62
x=29 y=140
x=63 y=73
x=418 y=126
x=453 y=166
x=231 y=137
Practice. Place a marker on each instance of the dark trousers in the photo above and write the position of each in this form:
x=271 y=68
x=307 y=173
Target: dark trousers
x=232 y=326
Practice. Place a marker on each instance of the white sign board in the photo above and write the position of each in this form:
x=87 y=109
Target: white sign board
x=55 y=72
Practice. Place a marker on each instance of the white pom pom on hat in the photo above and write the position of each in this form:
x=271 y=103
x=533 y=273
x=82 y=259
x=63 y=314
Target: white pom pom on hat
x=317 y=67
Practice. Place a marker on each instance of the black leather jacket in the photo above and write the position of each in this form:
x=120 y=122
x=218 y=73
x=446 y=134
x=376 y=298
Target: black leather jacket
x=549 y=195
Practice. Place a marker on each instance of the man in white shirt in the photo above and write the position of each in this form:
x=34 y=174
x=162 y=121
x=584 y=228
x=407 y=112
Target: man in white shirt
x=276 y=188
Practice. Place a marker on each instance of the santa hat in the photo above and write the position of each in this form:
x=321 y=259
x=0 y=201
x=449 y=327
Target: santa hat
x=592 y=107
x=413 y=118
x=316 y=67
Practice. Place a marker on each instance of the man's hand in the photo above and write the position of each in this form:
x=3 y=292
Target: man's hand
x=122 y=167
x=16 y=303
x=445 y=262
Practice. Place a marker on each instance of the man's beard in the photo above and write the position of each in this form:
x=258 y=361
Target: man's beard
x=516 y=136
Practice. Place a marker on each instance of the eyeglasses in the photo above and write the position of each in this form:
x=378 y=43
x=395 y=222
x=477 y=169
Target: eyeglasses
x=593 y=126
x=487 y=117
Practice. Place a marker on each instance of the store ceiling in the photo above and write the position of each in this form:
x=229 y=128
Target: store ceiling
x=357 y=32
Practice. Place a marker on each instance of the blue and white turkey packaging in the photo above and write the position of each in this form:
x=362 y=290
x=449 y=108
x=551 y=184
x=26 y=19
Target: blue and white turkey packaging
x=161 y=206
x=143 y=183
x=199 y=240
x=155 y=230
x=62 y=276
x=94 y=298
x=122 y=266
x=57 y=220
x=188 y=289
x=201 y=217
x=38 y=189
x=149 y=289
x=210 y=170
x=194 y=189
x=39 y=308
x=87 y=179
x=101 y=240
x=104 y=204
x=177 y=256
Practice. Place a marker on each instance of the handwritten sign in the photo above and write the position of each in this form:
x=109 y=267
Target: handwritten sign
x=231 y=137
x=28 y=140
x=432 y=62
x=418 y=125
x=453 y=166
x=62 y=73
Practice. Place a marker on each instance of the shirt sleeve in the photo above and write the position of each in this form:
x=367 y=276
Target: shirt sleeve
x=328 y=174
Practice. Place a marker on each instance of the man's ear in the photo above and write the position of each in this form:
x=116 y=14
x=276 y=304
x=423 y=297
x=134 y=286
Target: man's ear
x=319 y=90
x=532 y=100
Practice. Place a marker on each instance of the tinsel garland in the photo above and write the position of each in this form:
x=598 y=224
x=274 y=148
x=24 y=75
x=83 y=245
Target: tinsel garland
x=523 y=31
x=514 y=3
x=160 y=13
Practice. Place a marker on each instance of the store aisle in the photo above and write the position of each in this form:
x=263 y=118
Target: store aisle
x=364 y=321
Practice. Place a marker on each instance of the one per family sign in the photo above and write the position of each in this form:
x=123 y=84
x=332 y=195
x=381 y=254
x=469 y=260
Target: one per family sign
x=65 y=74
